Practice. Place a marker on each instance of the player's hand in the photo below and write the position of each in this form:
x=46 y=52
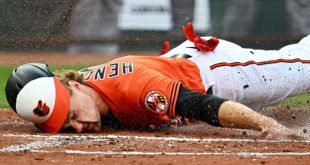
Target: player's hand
x=279 y=131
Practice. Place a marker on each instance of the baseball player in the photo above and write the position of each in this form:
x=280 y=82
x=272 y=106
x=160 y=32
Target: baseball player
x=143 y=91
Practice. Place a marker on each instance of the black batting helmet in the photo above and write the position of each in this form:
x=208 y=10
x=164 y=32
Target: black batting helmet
x=22 y=75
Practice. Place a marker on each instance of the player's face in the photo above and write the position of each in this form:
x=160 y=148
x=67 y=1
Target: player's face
x=83 y=115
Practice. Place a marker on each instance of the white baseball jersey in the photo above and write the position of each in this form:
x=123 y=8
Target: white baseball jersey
x=256 y=78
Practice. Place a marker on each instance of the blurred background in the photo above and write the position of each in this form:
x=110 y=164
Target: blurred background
x=113 y=26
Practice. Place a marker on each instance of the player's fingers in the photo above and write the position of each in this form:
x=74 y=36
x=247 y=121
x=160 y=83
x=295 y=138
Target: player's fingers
x=273 y=135
x=296 y=136
x=265 y=134
x=284 y=134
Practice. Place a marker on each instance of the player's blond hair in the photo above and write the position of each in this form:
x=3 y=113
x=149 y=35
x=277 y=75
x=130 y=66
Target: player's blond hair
x=67 y=75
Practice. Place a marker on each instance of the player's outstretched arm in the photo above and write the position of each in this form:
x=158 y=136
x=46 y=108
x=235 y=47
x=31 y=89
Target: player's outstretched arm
x=221 y=112
x=235 y=115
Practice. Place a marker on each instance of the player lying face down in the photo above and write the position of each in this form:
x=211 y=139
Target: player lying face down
x=158 y=91
x=133 y=91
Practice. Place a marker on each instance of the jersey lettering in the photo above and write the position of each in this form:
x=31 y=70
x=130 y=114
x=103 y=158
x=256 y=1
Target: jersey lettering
x=127 y=68
x=86 y=73
x=111 y=70
x=114 y=70
x=100 y=73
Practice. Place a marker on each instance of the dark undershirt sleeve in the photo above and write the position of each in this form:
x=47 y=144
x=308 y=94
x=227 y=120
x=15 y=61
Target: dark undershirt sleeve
x=194 y=105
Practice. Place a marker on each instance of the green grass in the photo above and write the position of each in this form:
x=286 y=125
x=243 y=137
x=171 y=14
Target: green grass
x=4 y=74
x=5 y=71
x=297 y=101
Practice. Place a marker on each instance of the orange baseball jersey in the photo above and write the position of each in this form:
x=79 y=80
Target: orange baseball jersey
x=143 y=90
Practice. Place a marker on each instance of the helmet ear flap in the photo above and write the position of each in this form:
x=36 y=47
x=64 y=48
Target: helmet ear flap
x=21 y=76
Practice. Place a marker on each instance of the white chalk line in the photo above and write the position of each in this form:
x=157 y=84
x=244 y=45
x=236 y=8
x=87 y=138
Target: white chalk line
x=139 y=153
x=41 y=142
x=122 y=137
x=30 y=146
x=61 y=140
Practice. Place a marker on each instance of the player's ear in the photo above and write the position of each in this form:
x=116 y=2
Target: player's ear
x=74 y=84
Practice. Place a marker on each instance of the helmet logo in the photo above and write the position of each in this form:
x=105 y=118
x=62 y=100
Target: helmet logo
x=41 y=110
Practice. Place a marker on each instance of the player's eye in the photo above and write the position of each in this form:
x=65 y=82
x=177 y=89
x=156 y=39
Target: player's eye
x=70 y=116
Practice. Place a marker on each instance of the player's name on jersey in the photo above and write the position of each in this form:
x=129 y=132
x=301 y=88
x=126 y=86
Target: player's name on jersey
x=109 y=70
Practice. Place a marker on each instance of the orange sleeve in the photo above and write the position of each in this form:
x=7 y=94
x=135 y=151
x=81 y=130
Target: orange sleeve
x=163 y=88
x=152 y=97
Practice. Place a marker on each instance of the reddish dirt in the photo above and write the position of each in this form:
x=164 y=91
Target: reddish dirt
x=198 y=143
x=54 y=58
x=14 y=131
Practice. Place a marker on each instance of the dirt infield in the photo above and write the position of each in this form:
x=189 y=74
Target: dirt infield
x=199 y=143
x=53 y=58
x=22 y=143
